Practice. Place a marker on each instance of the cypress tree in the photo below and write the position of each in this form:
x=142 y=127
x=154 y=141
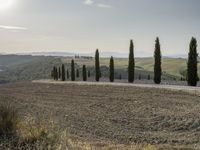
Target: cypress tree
x=77 y=73
x=192 y=75
x=84 y=73
x=157 y=64
x=112 y=71
x=63 y=72
x=72 y=71
x=131 y=64
x=59 y=73
x=67 y=74
x=97 y=65
x=56 y=73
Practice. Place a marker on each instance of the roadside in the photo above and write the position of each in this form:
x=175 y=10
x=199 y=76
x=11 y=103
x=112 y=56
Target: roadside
x=188 y=89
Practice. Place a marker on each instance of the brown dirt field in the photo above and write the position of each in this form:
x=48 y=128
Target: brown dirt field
x=123 y=115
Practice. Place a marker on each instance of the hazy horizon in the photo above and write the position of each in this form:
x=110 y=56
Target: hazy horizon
x=85 y=25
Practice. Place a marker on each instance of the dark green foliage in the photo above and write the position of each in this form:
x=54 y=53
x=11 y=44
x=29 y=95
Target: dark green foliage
x=97 y=66
x=77 y=73
x=112 y=70
x=84 y=73
x=59 y=73
x=63 y=72
x=192 y=76
x=157 y=64
x=72 y=70
x=131 y=64
x=55 y=73
x=8 y=120
x=67 y=74
x=88 y=73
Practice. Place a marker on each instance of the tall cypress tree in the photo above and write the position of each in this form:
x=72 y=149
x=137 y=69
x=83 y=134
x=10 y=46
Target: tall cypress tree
x=63 y=72
x=97 y=65
x=77 y=73
x=192 y=65
x=56 y=73
x=131 y=64
x=59 y=73
x=112 y=70
x=72 y=70
x=157 y=64
x=67 y=74
x=84 y=73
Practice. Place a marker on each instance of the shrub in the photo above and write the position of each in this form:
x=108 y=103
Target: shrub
x=8 y=120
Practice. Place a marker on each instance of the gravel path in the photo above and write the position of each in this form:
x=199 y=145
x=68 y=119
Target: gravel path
x=183 y=88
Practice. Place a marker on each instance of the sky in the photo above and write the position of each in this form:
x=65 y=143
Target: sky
x=84 y=25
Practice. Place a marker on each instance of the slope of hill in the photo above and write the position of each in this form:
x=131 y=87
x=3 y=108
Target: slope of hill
x=22 y=67
x=26 y=67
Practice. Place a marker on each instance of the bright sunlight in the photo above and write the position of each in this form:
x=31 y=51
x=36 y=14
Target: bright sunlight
x=6 y=4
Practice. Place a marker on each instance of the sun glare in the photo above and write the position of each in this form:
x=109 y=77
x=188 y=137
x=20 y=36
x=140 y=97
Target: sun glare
x=6 y=4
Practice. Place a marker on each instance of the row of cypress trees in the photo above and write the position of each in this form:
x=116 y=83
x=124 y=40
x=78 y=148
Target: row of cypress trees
x=192 y=66
x=157 y=63
x=59 y=73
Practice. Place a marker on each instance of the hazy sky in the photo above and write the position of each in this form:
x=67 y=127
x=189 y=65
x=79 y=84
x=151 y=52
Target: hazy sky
x=84 y=25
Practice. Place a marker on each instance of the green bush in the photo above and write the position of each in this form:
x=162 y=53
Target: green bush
x=8 y=120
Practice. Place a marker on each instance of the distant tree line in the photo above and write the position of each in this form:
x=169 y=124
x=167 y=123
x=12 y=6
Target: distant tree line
x=192 y=67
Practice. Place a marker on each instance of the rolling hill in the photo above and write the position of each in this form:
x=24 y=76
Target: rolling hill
x=27 y=67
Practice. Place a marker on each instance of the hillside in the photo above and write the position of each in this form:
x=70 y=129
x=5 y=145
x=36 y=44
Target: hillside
x=26 y=67
x=111 y=114
x=22 y=67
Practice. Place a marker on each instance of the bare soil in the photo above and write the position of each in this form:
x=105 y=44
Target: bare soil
x=120 y=114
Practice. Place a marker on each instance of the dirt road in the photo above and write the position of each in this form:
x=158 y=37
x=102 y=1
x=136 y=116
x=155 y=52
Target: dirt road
x=188 y=89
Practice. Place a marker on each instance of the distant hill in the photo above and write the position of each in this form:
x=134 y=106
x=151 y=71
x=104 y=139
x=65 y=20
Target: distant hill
x=27 y=67
x=18 y=67
x=102 y=54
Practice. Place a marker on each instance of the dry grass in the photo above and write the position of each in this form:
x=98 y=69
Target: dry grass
x=37 y=134
x=8 y=120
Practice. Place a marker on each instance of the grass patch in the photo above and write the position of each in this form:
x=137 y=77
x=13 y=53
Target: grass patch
x=30 y=133
x=9 y=120
x=40 y=134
